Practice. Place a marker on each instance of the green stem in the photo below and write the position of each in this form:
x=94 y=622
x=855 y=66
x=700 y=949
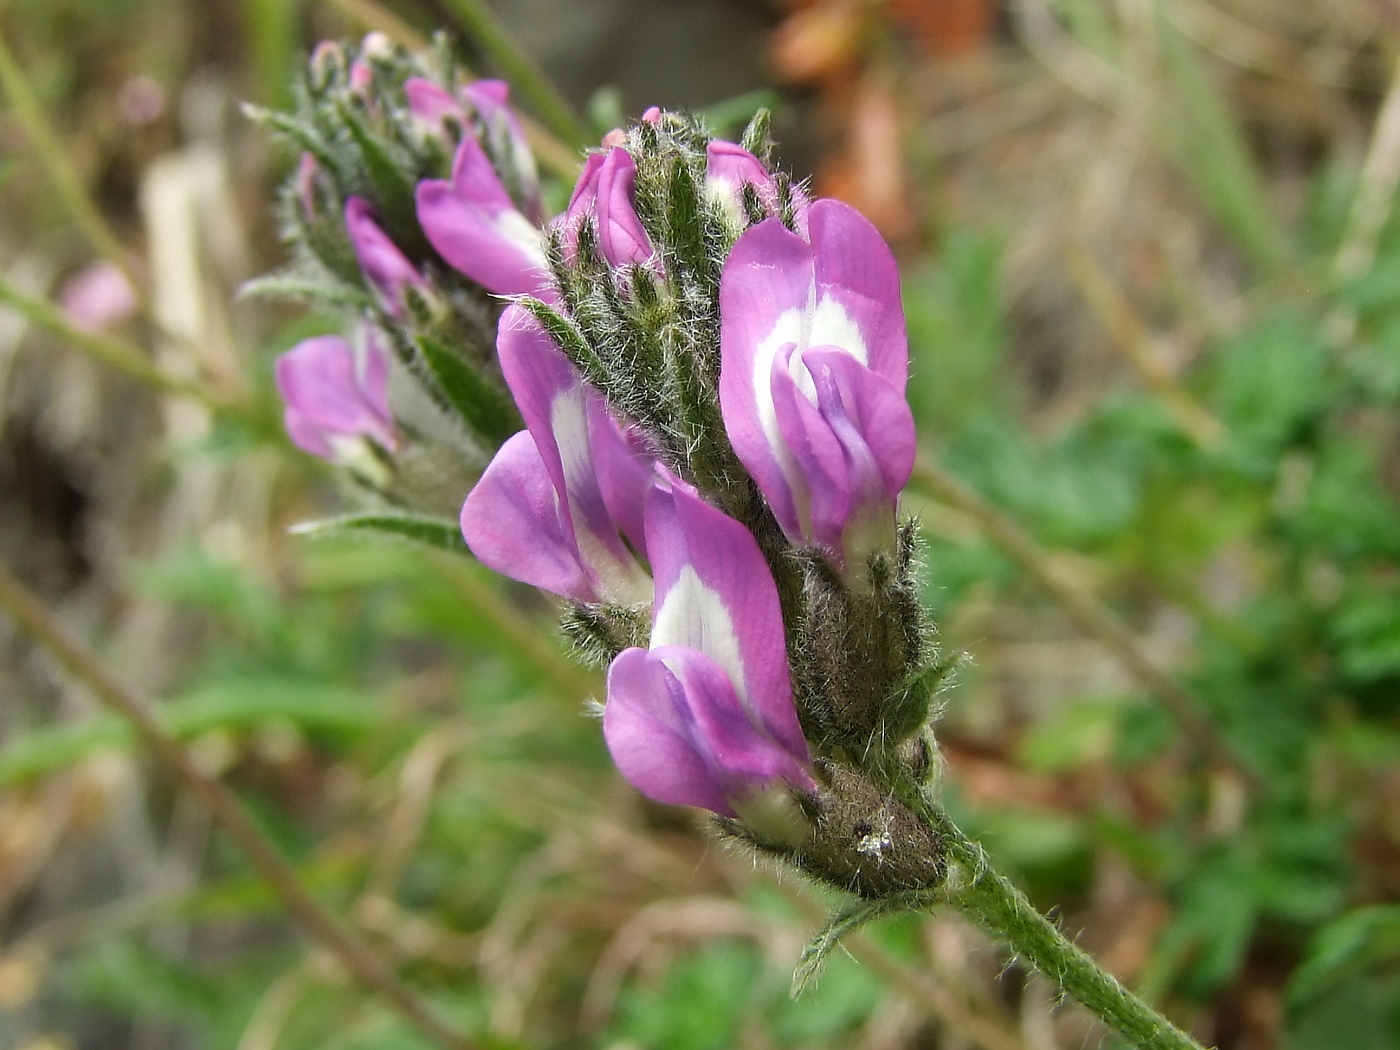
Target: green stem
x=113 y=352
x=487 y=30
x=993 y=902
x=41 y=137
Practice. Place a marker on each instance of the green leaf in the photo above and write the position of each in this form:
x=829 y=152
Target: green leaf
x=751 y=109
x=441 y=533
x=1359 y=939
x=572 y=342
x=483 y=406
x=393 y=188
x=844 y=921
x=1202 y=136
x=237 y=703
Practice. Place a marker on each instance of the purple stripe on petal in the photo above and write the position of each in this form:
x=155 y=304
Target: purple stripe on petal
x=822 y=484
x=741 y=757
x=511 y=522
x=876 y=409
x=715 y=594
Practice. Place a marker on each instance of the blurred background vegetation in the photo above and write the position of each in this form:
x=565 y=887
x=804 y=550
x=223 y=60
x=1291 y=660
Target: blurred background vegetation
x=1153 y=288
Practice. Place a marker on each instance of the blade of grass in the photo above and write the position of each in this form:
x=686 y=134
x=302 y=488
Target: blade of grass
x=1200 y=134
x=1131 y=337
x=520 y=69
x=1086 y=610
x=272 y=36
x=28 y=611
x=51 y=155
x=1370 y=208
x=125 y=357
x=1380 y=172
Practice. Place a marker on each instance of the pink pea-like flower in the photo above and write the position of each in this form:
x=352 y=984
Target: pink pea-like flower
x=473 y=223
x=705 y=716
x=813 y=365
x=606 y=192
x=384 y=266
x=560 y=506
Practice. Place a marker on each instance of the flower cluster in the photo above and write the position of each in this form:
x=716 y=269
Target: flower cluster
x=706 y=422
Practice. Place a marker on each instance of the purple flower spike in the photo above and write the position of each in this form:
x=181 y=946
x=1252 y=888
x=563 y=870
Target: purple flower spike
x=335 y=398
x=606 y=190
x=476 y=227
x=705 y=717
x=560 y=507
x=813 y=365
x=384 y=266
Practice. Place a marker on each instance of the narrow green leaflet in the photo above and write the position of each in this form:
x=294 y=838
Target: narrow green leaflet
x=484 y=407
x=440 y=533
x=236 y=704
x=844 y=921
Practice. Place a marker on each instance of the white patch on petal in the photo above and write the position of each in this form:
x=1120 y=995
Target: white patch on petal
x=515 y=229
x=728 y=196
x=695 y=616
x=790 y=327
x=832 y=326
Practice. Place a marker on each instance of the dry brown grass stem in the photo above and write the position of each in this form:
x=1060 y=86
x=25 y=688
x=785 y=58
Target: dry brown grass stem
x=1131 y=337
x=1083 y=607
x=324 y=928
x=1370 y=207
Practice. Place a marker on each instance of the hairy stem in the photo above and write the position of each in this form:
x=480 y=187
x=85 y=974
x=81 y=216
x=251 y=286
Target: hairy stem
x=354 y=954
x=993 y=902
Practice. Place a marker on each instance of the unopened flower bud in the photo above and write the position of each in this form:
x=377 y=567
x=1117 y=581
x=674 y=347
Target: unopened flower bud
x=385 y=267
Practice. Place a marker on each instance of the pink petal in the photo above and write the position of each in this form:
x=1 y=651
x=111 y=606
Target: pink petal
x=857 y=302
x=329 y=393
x=473 y=224
x=646 y=726
x=386 y=268
x=97 y=297
x=511 y=522
x=715 y=594
x=678 y=733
